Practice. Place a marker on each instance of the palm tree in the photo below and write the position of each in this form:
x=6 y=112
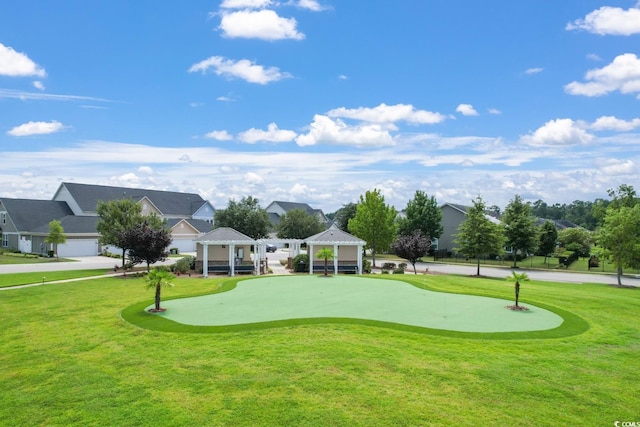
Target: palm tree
x=326 y=254
x=517 y=277
x=157 y=278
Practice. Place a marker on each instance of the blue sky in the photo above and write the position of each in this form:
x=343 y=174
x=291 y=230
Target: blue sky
x=318 y=101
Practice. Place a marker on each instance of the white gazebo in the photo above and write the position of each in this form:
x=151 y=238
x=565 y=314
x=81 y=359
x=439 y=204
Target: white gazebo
x=225 y=250
x=347 y=251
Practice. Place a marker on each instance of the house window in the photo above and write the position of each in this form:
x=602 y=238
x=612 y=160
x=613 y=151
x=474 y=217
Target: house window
x=5 y=240
x=3 y=217
x=434 y=244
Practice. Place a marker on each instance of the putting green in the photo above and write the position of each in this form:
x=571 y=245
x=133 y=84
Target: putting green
x=302 y=297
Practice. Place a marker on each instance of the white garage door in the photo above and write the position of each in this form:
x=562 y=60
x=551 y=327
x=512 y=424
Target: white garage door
x=183 y=245
x=78 y=247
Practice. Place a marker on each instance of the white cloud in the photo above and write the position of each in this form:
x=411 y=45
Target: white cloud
x=384 y=113
x=16 y=64
x=466 y=110
x=324 y=129
x=593 y=57
x=146 y=170
x=243 y=69
x=343 y=77
x=253 y=178
x=272 y=134
x=245 y=4
x=623 y=75
x=312 y=5
x=38 y=85
x=299 y=190
x=535 y=70
x=219 y=135
x=559 y=132
x=261 y=24
x=609 y=21
x=16 y=94
x=36 y=128
x=224 y=99
x=618 y=167
x=494 y=111
x=613 y=123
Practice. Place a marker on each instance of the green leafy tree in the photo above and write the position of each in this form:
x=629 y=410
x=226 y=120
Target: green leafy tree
x=298 y=224
x=146 y=243
x=245 y=216
x=620 y=237
x=116 y=216
x=344 y=214
x=412 y=247
x=520 y=228
x=325 y=254
x=576 y=239
x=422 y=213
x=548 y=239
x=56 y=236
x=517 y=278
x=374 y=223
x=157 y=279
x=478 y=235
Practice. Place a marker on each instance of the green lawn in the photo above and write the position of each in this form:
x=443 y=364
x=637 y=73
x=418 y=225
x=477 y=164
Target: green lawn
x=68 y=358
x=11 y=259
x=14 y=279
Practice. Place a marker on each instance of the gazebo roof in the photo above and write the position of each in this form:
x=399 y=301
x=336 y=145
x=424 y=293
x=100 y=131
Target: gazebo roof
x=225 y=236
x=335 y=236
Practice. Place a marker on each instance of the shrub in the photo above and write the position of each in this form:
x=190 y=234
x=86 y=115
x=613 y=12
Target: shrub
x=398 y=270
x=366 y=266
x=388 y=265
x=301 y=263
x=185 y=264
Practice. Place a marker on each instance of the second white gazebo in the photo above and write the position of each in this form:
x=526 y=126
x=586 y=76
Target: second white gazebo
x=347 y=251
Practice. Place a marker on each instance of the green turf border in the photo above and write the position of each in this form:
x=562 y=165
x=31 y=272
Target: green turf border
x=135 y=314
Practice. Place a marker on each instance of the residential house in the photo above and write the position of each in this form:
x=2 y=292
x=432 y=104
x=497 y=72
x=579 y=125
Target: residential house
x=277 y=209
x=24 y=222
x=452 y=216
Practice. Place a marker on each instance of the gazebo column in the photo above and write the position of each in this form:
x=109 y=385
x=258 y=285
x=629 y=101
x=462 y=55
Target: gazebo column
x=359 y=259
x=232 y=260
x=205 y=259
x=310 y=252
x=336 y=255
x=256 y=258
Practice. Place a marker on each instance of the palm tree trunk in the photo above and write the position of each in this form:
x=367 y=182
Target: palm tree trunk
x=325 y=267
x=158 y=287
x=478 y=270
x=517 y=292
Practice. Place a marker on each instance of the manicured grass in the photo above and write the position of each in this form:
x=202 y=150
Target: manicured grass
x=10 y=259
x=68 y=358
x=14 y=279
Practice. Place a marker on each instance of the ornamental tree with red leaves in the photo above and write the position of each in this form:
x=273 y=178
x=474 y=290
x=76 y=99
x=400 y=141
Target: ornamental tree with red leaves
x=412 y=247
x=146 y=243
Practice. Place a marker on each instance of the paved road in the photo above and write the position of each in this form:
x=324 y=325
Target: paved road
x=544 y=275
x=98 y=262
x=81 y=263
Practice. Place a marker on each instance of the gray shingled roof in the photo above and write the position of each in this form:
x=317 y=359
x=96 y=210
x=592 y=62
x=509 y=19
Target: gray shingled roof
x=288 y=206
x=199 y=224
x=72 y=224
x=225 y=235
x=168 y=202
x=28 y=215
x=334 y=236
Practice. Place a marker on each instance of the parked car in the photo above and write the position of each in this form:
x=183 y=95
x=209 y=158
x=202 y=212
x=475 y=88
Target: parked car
x=271 y=248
